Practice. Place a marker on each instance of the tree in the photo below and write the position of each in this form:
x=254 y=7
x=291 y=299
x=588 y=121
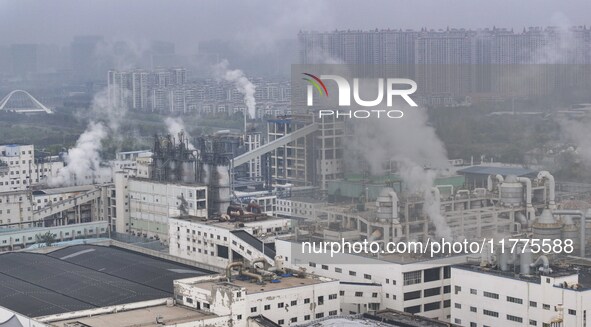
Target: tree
x=47 y=238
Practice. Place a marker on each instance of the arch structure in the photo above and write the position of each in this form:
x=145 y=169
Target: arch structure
x=21 y=101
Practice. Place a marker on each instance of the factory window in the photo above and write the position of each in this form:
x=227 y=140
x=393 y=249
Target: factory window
x=239 y=317
x=338 y=270
x=239 y=294
x=572 y=312
x=312 y=264
x=473 y=324
x=490 y=313
x=319 y=315
x=307 y=300
x=474 y=291
x=189 y=300
x=413 y=309
x=280 y=305
x=358 y=294
x=412 y=277
x=533 y=322
x=514 y=318
x=533 y=304
x=387 y=281
x=321 y=300
x=253 y=309
x=491 y=295
x=432 y=306
x=366 y=276
x=457 y=305
x=457 y=321
x=387 y=295
x=325 y=267
x=514 y=300
x=307 y=317
x=294 y=319
x=412 y=295
x=332 y=313
x=342 y=293
x=267 y=307
x=374 y=294
x=447 y=289
x=432 y=274
x=473 y=309
x=446 y=303
x=432 y=291
x=546 y=306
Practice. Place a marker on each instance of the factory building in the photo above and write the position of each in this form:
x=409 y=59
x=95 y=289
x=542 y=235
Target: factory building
x=20 y=169
x=556 y=295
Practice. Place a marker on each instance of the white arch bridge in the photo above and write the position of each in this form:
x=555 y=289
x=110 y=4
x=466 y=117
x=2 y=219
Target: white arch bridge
x=21 y=101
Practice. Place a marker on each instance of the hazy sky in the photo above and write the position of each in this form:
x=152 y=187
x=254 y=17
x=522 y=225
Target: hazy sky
x=261 y=22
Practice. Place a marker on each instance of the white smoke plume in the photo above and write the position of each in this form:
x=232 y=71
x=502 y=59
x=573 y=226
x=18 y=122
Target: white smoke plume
x=409 y=143
x=578 y=133
x=242 y=84
x=176 y=126
x=83 y=161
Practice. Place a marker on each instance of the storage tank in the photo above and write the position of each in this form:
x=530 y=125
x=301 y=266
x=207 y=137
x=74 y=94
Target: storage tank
x=511 y=192
x=546 y=227
x=571 y=231
x=387 y=205
x=525 y=261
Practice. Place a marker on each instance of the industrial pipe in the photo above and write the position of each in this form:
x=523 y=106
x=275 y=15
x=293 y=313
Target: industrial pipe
x=545 y=264
x=257 y=260
x=229 y=269
x=545 y=175
x=583 y=223
x=450 y=187
x=530 y=211
x=253 y=275
x=521 y=219
x=375 y=235
x=394 y=197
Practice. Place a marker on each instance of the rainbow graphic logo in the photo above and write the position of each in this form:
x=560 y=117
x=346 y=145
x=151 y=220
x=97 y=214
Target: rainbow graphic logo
x=317 y=83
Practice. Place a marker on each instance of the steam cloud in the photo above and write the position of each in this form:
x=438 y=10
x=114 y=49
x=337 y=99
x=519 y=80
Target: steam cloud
x=176 y=126
x=242 y=84
x=411 y=144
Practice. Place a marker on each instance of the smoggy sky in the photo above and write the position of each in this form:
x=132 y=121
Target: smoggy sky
x=259 y=23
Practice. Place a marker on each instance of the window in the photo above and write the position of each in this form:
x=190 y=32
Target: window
x=546 y=306
x=533 y=304
x=280 y=305
x=332 y=297
x=432 y=291
x=533 y=322
x=294 y=319
x=352 y=273
x=473 y=324
x=473 y=291
x=412 y=295
x=447 y=272
x=321 y=300
x=572 y=312
x=374 y=295
x=473 y=309
x=189 y=300
x=319 y=315
x=490 y=313
x=411 y=278
x=432 y=306
x=432 y=274
x=366 y=276
x=491 y=295
x=457 y=305
x=457 y=321
x=253 y=309
x=239 y=317
x=338 y=270
x=447 y=289
x=332 y=313
x=325 y=267
x=267 y=307
x=307 y=300
x=342 y=293
x=312 y=264
x=294 y=302
x=446 y=303
x=457 y=289
x=514 y=318
x=280 y=321
x=307 y=317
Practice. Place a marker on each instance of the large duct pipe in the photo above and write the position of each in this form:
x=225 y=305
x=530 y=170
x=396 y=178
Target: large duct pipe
x=545 y=264
x=257 y=260
x=394 y=197
x=583 y=224
x=545 y=175
x=229 y=269
x=521 y=219
x=259 y=278
x=530 y=211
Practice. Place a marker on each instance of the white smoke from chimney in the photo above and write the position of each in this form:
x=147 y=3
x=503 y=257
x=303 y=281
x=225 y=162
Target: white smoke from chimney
x=242 y=84
x=83 y=161
x=176 y=126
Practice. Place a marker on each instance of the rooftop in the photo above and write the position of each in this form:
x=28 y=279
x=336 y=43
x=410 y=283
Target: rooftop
x=253 y=288
x=145 y=317
x=84 y=277
x=493 y=170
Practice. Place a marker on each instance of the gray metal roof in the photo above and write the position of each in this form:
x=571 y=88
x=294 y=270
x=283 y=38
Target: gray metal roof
x=491 y=170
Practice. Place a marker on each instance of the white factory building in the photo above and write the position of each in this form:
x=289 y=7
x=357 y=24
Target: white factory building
x=19 y=169
x=295 y=298
x=218 y=243
x=143 y=207
x=490 y=297
x=420 y=286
